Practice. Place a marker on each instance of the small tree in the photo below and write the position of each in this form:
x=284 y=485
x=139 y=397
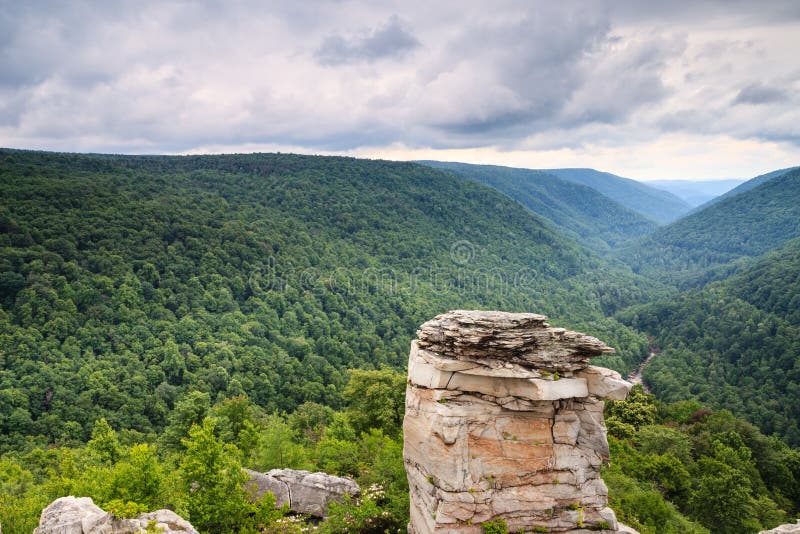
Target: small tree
x=104 y=444
x=376 y=399
x=189 y=410
x=212 y=482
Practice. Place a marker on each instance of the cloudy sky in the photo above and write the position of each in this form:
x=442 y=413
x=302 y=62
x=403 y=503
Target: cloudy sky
x=672 y=89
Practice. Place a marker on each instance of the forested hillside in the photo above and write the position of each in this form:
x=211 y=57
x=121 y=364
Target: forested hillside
x=734 y=344
x=574 y=209
x=655 y=204
x=128 y=281
x=679 y=461
x=715 y=242
x=773 y=283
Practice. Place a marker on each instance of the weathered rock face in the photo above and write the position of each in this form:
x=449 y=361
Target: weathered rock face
x=306 y=492
x=70 y=515
x=504 y=419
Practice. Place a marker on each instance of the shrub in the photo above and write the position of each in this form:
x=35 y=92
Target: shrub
x=495 y=526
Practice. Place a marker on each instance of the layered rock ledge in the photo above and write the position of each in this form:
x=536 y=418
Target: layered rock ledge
x=504 y=420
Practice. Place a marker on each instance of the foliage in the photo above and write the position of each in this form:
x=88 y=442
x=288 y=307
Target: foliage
x=376 y=399
x=716 y=471
x=124 y=509
x=211 y=481
x=363 y=517
x=715 y=242
x=576 y=210
x=725 y=353
x=128 y=284
x=637 y=410
x=203 y=480
x=104 y=442
x=495 y=526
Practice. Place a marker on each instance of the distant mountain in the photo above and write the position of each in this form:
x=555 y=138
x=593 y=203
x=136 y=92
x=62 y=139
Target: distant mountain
x=713 y=242
x=734 y=344
x=574 y=209
x=653 y=203
x=693 y=192
x=750 y=184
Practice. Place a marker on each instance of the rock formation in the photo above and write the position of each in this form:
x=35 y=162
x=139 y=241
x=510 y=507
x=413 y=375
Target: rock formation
x=504 y=420
x=70 y=515
x=790 y=528
x=305 y=492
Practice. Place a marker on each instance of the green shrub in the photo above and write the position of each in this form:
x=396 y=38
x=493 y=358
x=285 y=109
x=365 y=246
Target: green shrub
x=495 y=526
x=124 y=509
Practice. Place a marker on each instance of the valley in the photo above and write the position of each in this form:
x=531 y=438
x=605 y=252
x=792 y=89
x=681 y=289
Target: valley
x=274 y=296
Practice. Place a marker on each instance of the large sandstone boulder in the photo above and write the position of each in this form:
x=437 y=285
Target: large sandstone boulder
x=305 y=492
x=504 y=419
x=71 y=515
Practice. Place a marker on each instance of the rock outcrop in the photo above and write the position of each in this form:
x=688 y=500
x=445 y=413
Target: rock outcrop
x=789 y=528
x=504 y=420
x=305 y=492
x=71 y=515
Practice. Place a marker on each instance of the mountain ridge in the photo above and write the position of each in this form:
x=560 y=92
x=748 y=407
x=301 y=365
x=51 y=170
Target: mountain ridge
x=696 y=192
x=748 y=185
x=580 y=211
x=661 y=206
x=718 y=240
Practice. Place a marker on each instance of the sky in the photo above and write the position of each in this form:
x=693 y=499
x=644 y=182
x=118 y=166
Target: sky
x=677 y=89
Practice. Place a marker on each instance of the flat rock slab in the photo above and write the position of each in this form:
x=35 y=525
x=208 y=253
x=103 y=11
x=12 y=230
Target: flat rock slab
x=304 y=491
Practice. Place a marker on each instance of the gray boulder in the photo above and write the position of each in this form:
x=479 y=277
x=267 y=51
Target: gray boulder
x=305 y=492
x=791 y=528
x=71 y=515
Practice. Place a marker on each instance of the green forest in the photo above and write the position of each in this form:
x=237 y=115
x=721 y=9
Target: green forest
x=733 y=344
x=715 y=242
x=126 y=281
x=170 y=319
x=577 y=210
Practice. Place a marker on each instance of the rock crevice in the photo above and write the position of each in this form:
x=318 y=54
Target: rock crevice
x=504 y=420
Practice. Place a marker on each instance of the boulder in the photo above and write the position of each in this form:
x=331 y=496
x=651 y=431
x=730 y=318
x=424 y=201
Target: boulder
x=304 y=492
x=71 y=515
x=790 y=528
x=504 y=420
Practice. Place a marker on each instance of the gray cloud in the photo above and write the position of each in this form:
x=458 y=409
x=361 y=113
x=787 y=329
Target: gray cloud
x=155 y=76
x=758 y=93
x=389 y=41
x=500 y=79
